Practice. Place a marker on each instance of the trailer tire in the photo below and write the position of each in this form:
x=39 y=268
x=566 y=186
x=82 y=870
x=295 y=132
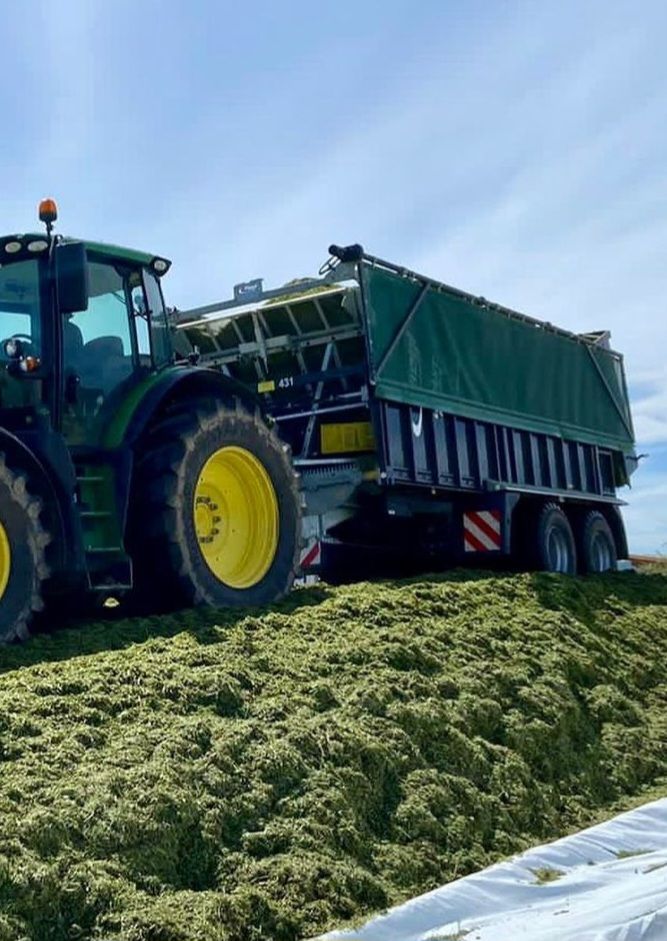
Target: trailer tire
x=216 y=510
x=617 y=526
x=23 y=567
x=596 y=544
x=553 y=542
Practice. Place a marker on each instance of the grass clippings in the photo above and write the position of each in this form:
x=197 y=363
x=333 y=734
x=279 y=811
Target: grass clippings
x=226 y=776
x=545 y=874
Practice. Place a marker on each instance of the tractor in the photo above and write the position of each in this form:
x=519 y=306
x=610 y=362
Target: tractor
x=123 y=467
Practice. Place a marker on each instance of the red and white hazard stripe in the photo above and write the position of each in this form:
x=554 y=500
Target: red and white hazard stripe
x=482 y=531
x=311 y=555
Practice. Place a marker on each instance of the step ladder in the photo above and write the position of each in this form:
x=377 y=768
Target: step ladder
x=108 y=565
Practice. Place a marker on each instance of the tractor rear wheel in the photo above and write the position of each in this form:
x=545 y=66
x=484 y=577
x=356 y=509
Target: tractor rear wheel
x=23 y=567
x=216 y=510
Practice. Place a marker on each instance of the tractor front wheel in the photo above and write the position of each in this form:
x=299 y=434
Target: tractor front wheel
x=23 y=567
x=216 y=511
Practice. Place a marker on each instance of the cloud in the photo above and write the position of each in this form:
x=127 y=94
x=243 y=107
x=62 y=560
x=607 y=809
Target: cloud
x=650 y=414
x=646 y=513
x=516 y=150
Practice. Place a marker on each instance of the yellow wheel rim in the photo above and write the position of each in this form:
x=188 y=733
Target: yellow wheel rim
x=236 y=517
x=5 y=560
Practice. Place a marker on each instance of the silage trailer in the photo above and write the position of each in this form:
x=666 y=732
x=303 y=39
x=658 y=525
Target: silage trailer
x=429 y=426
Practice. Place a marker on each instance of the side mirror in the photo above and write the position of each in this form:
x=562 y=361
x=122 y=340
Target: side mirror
x=72 y=277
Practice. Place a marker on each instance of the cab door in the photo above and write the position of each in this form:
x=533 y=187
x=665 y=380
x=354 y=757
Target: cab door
x=102 y=355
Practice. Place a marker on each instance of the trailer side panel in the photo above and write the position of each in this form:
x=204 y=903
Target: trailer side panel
x=435 y=347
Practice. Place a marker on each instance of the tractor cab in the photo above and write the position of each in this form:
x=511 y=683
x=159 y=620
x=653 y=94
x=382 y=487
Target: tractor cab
x=81 y=324
x=83 y=331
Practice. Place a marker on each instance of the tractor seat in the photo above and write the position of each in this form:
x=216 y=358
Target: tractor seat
x=103 y=364
x=72 y=344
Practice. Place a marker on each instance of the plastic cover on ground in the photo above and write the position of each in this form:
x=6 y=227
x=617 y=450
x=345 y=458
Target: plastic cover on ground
x=607 y=883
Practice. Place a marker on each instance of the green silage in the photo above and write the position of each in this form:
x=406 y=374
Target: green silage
x=267 y=775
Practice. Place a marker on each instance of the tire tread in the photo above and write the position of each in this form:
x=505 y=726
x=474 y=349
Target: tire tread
x=38 y=538
x=158 y=530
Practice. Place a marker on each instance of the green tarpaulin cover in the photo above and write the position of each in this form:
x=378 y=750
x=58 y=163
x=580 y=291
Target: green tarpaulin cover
x=461 y=357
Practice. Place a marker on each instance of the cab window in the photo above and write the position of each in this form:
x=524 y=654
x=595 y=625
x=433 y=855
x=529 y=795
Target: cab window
x=20 y=305
x=158 y=320
x=98 y=345
x=140 y=313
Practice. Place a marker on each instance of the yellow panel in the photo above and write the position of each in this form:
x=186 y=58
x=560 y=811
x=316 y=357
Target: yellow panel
x=267 y=386
x=345 y=437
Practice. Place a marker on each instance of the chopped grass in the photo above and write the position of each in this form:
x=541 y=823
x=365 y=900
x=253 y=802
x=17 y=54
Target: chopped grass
x=220 y=776
x=651 y=565
x=545 y=874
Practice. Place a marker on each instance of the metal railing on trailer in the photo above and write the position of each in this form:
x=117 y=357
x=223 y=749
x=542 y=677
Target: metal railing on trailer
x=300 y=347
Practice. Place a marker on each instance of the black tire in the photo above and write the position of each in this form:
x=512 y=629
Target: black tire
x=615 y=520
x=596 y=545
x=24 y=542
x=169 y=564
x=554 y=547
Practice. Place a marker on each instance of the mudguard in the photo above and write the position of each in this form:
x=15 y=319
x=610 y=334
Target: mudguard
x=166 y=387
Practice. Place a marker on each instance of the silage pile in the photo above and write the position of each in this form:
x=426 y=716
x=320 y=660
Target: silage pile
x=211 y=776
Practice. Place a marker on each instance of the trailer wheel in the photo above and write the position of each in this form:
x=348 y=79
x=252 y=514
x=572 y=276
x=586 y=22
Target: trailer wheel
x=554 y=541
x=23 y=567
x=617 y=527
x=596 y=544
x=216 y=511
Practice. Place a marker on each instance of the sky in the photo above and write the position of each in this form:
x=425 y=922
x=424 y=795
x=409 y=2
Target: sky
x=517 y=150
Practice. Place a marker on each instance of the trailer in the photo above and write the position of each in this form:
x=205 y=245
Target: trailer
x=429 y=426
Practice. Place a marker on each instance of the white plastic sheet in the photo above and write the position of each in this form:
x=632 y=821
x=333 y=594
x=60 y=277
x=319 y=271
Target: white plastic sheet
x=610 y=884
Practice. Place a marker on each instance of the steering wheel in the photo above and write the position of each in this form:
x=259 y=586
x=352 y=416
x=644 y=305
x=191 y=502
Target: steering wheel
x=17 y=336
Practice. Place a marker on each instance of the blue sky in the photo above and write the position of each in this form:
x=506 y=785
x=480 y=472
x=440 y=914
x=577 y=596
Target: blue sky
x=515 y=149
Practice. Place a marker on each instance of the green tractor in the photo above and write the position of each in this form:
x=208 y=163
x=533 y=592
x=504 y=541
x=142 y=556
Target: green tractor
x=122 y=468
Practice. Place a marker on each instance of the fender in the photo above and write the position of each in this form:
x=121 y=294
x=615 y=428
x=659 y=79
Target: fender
x=165 y=387
x=146 y=400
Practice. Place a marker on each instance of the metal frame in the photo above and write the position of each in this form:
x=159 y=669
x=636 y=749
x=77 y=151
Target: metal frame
x=299 y=397
x=450 y=454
